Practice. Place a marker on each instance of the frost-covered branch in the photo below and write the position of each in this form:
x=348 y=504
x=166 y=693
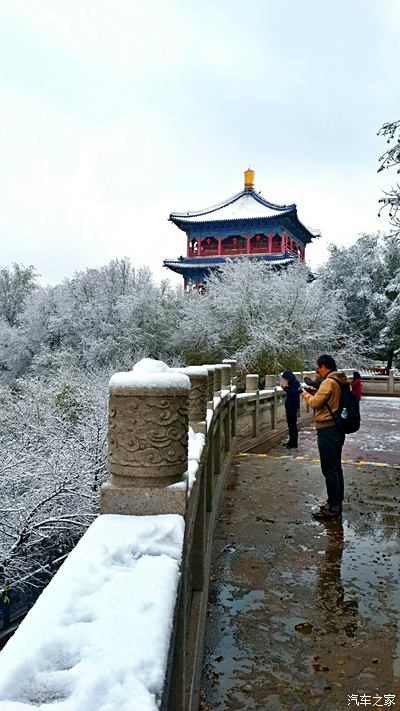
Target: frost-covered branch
x=391 y=159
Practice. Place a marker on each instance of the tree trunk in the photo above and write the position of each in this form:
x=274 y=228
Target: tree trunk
x=390 y=360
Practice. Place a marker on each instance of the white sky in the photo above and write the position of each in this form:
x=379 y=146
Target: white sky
x=113 y=113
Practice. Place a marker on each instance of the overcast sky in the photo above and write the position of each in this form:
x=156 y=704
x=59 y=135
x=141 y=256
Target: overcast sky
x=114 y=113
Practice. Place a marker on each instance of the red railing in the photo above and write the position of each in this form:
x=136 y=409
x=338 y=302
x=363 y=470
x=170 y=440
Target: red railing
x=231 y=250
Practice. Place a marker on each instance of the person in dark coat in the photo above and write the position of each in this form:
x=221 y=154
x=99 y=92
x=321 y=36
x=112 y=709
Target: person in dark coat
x=291 y=386
x=313 y=384
x=356 y=385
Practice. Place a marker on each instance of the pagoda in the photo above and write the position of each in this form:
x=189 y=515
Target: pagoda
x=244 y=225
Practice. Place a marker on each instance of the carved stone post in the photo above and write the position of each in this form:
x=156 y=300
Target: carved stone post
x=217 y=380
x=391 y=381
x=251 y=383
x=252 y=387
x=198 y=377
x=270 y=381
x=147 y=444
x=233 y=364
x=225 y=376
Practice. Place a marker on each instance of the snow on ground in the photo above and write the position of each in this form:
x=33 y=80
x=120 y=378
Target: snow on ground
x=97 y=639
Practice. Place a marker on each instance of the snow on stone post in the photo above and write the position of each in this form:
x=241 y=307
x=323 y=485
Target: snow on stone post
x=147 y=441
x=391 y=380
x=198 y=377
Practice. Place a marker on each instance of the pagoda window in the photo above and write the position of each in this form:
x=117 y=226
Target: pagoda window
x=276 y=244
x=209 y=245
x=295 y=249
x=234 y=244
x=259 y=244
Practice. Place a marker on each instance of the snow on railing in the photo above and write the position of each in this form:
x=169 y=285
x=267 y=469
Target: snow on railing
x=98 y=636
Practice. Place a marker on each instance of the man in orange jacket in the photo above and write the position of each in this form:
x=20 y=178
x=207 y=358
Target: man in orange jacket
x=330 y=439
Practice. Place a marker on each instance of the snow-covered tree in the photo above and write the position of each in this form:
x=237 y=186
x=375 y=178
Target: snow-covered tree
x=264 y=318
x=112 y=315
x=391 y=159
x=364 y=278
x=16 y=283
x=52 y=460
x=390 y=335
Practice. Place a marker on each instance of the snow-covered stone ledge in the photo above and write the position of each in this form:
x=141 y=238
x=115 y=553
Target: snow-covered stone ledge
x=99 y=635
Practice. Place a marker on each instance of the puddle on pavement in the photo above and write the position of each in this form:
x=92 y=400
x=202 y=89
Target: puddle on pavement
x=227 y=658
x=323 y=619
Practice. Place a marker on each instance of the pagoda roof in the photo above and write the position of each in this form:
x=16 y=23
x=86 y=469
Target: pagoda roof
x=183 y=265
x=246 y=205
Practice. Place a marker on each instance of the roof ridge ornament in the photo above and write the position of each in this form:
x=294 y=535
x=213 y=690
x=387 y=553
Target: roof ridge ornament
x=249 y=179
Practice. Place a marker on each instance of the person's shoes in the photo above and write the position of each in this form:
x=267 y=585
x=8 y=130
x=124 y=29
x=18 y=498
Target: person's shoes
x=326 y=506
x=324 y=513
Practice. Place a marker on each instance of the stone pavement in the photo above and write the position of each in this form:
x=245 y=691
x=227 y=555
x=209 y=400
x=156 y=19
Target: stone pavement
x=304 y=614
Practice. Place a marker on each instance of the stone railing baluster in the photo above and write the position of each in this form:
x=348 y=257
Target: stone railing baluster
x=233 y=363
x=217 y=380
x=225 y=376
x=251 y=383
x=198 y=396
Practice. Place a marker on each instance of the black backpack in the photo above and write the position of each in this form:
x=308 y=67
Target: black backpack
x=347 y=418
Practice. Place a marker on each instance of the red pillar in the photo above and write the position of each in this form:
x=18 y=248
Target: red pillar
x=198 y=248
x=282 y=242
x=188 y=248
x=269 y=243
x=219 y=246
x=248 y=245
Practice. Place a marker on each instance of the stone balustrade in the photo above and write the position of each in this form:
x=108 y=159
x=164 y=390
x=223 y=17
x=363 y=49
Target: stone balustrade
x=149 y=462
x=230 y=422
x=386 y=385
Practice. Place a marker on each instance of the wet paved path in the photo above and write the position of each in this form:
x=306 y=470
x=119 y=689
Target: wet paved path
x=303 y=614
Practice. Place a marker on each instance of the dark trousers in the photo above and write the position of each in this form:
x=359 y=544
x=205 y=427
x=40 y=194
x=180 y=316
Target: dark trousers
x=330 y=445
x=291 y=418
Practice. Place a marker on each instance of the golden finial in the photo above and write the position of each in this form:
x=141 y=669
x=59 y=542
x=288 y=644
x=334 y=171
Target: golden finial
x=249 y=179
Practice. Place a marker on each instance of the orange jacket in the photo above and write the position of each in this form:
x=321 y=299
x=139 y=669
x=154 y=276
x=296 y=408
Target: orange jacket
x=327 y=393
